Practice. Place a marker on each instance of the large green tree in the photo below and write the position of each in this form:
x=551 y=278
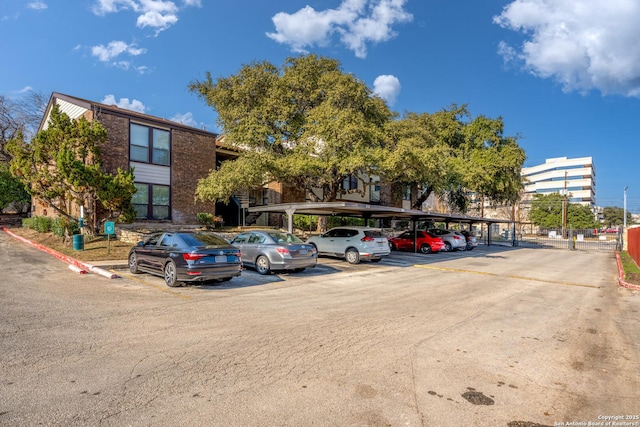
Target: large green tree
x=416 y=156
x=490 y=162
x=308 y=125
x=613 y=216
x=547 y=211
x=449 y=153
x=62 y=166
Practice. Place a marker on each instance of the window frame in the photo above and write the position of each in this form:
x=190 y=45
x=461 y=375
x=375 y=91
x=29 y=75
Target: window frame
x=150 y=205
x=151 y=146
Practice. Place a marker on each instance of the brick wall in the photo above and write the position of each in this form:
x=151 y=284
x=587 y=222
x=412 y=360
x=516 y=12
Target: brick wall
x=193 y=156
x=115 y=153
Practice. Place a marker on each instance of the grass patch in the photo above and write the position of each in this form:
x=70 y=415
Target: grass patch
x=95 y=248
x=631 y=269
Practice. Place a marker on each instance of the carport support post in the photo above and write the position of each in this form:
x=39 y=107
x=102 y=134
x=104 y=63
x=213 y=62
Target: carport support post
x=290 y=212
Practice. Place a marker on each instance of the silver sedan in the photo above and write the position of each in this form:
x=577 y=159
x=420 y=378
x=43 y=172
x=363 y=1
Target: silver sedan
x=271 y=250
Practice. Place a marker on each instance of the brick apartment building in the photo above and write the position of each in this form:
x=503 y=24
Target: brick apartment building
x=168 y=158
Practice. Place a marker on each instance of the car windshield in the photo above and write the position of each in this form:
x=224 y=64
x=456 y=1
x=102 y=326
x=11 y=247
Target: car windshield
x=203 y=239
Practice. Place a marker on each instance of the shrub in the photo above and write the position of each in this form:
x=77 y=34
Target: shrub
x=305 y=222
x=59 y=225
x=209 y=220
x=27 y=223
x=42 y=224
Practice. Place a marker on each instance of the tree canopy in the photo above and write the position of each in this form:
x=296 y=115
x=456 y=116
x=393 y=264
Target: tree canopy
x=62 y=165
x=614 y=216
x=449 y=153
x=21 y=115
x=546 y=212
x=12 y=191
x=309 y=125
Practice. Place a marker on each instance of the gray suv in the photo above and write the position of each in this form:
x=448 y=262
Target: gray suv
x=352 y=243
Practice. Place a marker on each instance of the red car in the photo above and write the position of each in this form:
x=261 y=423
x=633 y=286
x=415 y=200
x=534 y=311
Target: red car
x=427 y=243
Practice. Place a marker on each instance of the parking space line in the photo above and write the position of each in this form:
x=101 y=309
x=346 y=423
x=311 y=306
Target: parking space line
x=533 y=279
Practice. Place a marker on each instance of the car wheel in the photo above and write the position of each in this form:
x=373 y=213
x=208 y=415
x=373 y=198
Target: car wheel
x=352 y=256
x=262 y=265
x=425 y=249
x=171 y=274
x=469 y=246
x=133 y=264
x=447 y=246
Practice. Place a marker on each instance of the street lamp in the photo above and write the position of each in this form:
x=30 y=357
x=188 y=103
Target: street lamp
x=624 y=219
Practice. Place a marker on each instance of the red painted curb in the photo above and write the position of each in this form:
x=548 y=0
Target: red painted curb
x=69 y=260
x=621 y=281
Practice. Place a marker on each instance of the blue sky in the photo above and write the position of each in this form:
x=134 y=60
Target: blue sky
x=564 y=75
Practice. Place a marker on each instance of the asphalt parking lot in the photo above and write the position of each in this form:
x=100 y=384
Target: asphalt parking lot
x=492 y=337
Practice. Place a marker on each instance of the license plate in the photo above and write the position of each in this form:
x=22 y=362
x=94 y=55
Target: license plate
x=303 y=251
x=380 y=243
x=221 y=258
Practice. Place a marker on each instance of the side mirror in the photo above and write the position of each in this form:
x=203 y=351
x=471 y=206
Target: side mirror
x=140 y=243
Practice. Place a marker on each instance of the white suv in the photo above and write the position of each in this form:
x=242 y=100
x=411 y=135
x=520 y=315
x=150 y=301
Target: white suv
x=352 y=243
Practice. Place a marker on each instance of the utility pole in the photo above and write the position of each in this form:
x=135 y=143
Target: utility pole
x=624 y=219
x=564 y=208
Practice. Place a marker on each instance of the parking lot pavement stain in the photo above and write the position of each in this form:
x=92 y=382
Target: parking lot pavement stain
x=534 y=279
x=477 y=397
x=525 y=424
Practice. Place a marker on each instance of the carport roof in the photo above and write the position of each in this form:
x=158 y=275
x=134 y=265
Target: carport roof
x=354 y=209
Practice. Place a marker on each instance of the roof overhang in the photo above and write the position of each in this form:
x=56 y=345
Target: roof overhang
x=353 y=209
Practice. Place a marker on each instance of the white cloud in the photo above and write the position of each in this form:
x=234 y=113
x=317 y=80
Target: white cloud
x=133 y=105
x=37 y=5
x=157 y=14
x=115 y=49
x=185 y=119
x=387 y=87
x=583 y=45
x=26 y=89
x=356 y=22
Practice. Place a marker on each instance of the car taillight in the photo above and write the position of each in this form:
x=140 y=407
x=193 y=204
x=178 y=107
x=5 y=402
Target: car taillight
x=456 y=237
x=193 y=257
x=282 y=251
x=367 y=239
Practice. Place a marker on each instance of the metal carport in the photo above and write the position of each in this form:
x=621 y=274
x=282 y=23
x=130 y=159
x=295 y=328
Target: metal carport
x=363 y=210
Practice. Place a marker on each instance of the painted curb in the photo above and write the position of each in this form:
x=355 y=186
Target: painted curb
x=80 y=267
x=621 y=281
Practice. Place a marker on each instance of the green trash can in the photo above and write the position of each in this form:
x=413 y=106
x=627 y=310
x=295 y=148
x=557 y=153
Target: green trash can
x=78 y=242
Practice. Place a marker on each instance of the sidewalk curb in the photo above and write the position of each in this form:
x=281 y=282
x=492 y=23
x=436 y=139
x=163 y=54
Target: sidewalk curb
x=621 y=281
x=80 y=266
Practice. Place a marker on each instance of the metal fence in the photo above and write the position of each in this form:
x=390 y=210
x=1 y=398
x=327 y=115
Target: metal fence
x=570 y=239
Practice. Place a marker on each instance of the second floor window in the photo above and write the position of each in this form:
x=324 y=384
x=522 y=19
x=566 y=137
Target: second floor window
x=149 y=145
x=350 y=183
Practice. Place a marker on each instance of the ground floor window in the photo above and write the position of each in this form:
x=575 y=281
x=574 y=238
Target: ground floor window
x=152 y=201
